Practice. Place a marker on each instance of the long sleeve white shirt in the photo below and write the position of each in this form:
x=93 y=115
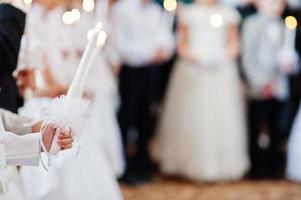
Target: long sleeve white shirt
x=262 y=40
x=20 y=148
x=139 y=30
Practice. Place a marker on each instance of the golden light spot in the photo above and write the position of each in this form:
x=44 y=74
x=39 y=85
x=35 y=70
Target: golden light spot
x=291 y=22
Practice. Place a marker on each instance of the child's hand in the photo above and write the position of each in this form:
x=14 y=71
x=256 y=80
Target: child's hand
x=268 y=91
x=48 y=131
x=25 y=79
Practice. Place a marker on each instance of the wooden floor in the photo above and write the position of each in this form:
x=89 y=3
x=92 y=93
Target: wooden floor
x=177 y=189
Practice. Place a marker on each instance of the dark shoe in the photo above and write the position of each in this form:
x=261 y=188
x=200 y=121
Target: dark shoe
x=131 y=180
x=145 y=177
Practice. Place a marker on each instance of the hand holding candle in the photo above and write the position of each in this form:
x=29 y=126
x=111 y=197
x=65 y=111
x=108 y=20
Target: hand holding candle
x=71 y=110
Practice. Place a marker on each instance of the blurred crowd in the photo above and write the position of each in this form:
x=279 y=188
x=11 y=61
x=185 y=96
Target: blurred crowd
x=206 y=90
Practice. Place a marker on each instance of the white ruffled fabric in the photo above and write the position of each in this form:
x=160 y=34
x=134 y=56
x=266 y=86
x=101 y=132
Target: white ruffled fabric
x=202 y=134
x=72 y=112
x=293 y=171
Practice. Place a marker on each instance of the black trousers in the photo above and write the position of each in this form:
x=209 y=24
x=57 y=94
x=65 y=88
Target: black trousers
x=265 y=113
x=138 y=88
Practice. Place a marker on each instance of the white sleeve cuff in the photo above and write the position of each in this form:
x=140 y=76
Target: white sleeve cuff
x=22 y=150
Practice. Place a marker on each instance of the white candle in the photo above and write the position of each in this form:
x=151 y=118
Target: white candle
x=74 y=90
x=290 y=32
x=73 y=98
x=102 y=36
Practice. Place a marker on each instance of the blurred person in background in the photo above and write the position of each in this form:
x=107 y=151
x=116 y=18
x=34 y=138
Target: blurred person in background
x=102 y=87
x=107 y=100
x=267 y=65
x=10 y=39
x=293 y=8
x=43 y=20
x=144 y=44
x=246 y=8
x=231 y=3
x=293 y=158
x=12 y=23
x=202 y=134
x=25 y=148
x=55 y=50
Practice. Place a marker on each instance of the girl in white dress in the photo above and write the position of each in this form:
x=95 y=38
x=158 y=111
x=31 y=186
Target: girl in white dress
x=202 y=134
x=107 y=99
x=90 y=175
x=294 y=151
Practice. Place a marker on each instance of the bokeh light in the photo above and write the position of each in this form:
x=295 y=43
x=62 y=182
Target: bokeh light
x=170 y=5
x=216 y=20
x=88 y=5
x=101 y=39
x=68 y=18
x=28 y=2
x=291 y=22
x=75 y=14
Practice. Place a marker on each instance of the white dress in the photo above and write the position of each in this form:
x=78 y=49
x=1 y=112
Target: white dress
x=88 y=175
x=202 y=133
x=294 y=150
